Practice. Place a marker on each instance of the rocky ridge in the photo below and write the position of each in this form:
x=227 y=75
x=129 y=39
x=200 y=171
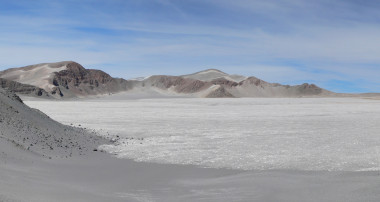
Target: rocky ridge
x=71 y=80
x=225 y=87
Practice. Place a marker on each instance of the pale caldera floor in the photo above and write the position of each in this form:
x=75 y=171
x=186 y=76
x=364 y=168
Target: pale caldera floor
x=318 y=134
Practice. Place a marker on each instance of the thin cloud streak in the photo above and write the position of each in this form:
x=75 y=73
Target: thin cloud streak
x=287 y=41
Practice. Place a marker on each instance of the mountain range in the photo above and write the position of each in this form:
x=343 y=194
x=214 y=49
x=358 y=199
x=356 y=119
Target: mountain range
x=69 y=79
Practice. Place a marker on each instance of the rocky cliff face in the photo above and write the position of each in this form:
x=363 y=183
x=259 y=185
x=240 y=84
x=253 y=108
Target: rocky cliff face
x=76 y=81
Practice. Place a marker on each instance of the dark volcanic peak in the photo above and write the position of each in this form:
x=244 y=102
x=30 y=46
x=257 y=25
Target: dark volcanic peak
x=76 y=81
x=77 y=74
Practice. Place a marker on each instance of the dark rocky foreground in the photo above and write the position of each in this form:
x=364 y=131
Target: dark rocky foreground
x=31 y=130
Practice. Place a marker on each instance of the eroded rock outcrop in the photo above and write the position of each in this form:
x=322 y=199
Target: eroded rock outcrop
x=76 y=81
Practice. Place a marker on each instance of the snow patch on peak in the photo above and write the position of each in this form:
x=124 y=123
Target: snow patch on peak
x=206 y=75
x=140 y=78
x=212 y=74
x=210 y=71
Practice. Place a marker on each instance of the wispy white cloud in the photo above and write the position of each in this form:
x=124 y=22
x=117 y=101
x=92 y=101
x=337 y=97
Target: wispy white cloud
x=281 y=41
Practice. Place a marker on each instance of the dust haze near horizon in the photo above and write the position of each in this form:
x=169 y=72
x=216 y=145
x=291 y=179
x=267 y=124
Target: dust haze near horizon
x=332 y=44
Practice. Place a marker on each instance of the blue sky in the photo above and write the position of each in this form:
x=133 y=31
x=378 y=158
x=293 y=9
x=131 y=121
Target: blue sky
x=334 y=44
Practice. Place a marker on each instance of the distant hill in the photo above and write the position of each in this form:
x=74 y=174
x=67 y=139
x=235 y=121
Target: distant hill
x=214 y=83
x=69 y=79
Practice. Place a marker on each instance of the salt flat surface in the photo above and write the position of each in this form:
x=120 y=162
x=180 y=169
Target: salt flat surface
x=270 y=133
